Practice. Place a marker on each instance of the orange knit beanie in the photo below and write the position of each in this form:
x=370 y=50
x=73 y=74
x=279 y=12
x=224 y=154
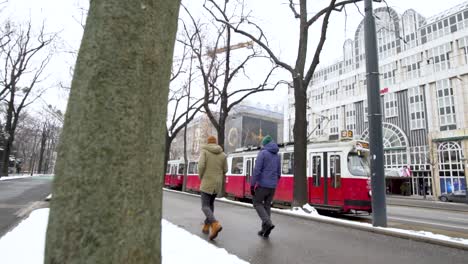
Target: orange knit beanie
x=211 y=140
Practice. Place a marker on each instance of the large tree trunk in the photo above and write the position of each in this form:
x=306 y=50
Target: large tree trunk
x=107 y=189
x=300 y=144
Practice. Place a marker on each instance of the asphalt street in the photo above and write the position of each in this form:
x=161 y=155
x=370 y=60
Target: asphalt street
x=450 y=223
x=297 y=240
x=19 y=196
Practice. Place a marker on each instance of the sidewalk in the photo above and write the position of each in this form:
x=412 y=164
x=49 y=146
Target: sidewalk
x=296 y=240
x=431 y=203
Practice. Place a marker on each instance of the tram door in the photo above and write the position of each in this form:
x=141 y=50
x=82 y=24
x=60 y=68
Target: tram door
x=173 y=174
x=316 y=183
x=249 y=169
x=334 y=190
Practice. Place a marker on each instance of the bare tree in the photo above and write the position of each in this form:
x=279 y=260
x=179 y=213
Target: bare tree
x=179 y=119
x=24 y=58
x=218 y=69
x=300 y=75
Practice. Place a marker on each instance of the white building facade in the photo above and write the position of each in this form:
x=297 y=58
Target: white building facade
x=423 y=66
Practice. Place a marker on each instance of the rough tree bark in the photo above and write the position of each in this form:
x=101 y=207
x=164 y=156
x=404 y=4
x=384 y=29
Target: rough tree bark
x=107 y=189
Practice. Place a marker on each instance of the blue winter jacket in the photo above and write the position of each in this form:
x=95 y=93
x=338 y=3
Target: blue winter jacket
x=267 y=170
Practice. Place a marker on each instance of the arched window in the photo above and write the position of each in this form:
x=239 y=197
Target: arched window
x=395 y=146
x=451 y=168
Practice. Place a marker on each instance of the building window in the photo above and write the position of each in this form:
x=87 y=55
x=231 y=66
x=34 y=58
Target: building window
x=411 y=67
x=350 y=113
x=395 y=146
x=463 y=46
x=319 y=125
x=409 y=29
x=446 y=105
x=387 y=74
x=391 y=108
x=439 y=57
x=386 y=35
x=416 y=108
x=347 y=88
x=334 y=126
x=420 y=159
x=451 y=168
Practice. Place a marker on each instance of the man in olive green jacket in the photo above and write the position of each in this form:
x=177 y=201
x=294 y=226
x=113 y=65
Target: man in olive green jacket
x=211 y=168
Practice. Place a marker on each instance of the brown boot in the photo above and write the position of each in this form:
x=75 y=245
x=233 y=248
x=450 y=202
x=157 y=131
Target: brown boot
x=206 y=228
x=215 y=229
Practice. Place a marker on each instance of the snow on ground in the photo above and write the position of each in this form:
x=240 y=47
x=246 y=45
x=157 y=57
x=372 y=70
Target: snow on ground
x=20 y=176
x=26 y=244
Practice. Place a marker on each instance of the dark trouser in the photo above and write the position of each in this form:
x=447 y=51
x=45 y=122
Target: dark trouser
x=208 y=206
x=262 y=204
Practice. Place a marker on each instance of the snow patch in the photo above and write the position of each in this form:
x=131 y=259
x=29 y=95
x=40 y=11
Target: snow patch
x=26 y=244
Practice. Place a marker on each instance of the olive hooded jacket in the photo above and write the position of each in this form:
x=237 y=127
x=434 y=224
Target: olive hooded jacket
x=212 y=166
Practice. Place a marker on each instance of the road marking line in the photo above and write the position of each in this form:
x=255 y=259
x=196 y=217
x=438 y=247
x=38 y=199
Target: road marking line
x=428 y=223
x=456 y=218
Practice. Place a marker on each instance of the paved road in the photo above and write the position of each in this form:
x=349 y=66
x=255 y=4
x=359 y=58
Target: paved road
x=302 y=241
x=451 y=223
x=417 y=214
x=429 y=203
x=17 y=195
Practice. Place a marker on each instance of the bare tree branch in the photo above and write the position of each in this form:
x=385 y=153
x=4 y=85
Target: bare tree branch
x=336 y=7
x=258 y=40
x=293 y=9
x=318 y=50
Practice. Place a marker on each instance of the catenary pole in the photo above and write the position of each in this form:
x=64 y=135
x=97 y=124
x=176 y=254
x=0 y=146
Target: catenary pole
x=379 y=208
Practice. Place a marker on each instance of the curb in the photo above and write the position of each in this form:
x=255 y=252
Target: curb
x=359 y=226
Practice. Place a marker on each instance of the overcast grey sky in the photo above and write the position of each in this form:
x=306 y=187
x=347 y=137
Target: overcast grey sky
x=65 y=16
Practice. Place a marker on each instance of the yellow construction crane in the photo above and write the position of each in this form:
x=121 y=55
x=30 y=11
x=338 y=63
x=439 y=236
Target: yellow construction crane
x=247 y=44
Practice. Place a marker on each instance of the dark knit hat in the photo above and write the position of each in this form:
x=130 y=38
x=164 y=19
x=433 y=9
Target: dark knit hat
x=211 y=140
x=267 y=139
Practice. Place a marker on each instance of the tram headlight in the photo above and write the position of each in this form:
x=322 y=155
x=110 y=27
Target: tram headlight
x=370 y=192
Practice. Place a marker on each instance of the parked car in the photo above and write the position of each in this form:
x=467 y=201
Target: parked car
x=458 y=196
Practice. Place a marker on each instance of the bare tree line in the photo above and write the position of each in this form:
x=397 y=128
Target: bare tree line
x=25 y=53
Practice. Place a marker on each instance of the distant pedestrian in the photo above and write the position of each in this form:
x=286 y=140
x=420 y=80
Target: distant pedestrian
x=211 y=168
x=263 y=184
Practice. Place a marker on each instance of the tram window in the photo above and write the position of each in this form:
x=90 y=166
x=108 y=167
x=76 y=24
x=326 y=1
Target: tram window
x=335 y=171
x=237 y=165
x=181 y=168
x=288 y=163
x=193 y=168
x=168 y=169
x=316 y=169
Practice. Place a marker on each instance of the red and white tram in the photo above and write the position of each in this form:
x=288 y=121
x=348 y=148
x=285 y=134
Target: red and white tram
x=174 y=176
x=338 y=175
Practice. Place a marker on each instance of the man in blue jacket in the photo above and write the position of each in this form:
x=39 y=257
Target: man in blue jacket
x=265 y=178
